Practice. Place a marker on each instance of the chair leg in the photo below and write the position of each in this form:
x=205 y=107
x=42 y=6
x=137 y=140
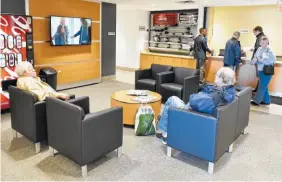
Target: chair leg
x=230 y=148
x=37 y=147
x=244 y=132
x=119 y=151
x=51 y=151
x=168 y=151
x=211 y=168
x=84 y=171
x=15 y=133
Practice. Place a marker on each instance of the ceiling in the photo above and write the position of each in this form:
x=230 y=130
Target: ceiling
x=153 y=5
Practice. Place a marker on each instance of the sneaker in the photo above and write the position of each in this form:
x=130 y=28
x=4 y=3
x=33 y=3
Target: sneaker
x=160 y=137
x=264 y=103
x=254 y=103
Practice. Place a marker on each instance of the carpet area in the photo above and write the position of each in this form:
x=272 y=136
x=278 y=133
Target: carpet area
x=256 y=156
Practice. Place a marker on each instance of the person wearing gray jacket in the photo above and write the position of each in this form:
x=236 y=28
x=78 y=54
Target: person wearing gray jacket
x=200 y=49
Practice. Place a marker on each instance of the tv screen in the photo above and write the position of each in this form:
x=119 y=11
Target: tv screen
x=70 y=31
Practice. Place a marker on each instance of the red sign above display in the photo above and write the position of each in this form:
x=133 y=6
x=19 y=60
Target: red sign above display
x=168 y=19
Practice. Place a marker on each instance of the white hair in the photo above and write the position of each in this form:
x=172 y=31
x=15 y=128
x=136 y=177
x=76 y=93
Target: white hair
x=23 y=67
x=225 y=76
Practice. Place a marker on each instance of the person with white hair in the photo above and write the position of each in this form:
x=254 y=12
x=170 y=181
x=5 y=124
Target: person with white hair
x=220 y=93
x=28 y=81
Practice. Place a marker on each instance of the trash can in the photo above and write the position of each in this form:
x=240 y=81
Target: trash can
x=49 y=75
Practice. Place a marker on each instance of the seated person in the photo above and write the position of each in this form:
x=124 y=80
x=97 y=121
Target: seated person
x=220 y=93
x=28 y=81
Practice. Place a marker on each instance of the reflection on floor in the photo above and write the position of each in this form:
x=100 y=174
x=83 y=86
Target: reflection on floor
x=256 y=156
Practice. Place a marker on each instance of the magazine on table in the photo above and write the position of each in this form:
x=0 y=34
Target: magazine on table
x=137 y=92
x=144 y=99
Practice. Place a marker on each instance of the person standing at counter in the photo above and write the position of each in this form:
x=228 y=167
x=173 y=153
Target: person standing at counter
x=200 y=48
x=258 y=32
x=232 y=52
x=263 y=56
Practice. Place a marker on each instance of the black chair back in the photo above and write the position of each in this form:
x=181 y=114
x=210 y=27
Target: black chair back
x=181 y=73
x=157 y=68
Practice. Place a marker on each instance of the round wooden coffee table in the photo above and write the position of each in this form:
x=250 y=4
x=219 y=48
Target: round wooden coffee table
x=130 y=107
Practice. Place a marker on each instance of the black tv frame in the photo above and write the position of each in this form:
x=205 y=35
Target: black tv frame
x=51 y=44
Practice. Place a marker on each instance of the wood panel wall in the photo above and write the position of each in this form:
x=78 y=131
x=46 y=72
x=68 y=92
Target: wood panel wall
x=74 y=63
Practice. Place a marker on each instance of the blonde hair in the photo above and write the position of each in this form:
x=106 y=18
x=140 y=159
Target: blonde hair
x=23 y=67
x=225 y=76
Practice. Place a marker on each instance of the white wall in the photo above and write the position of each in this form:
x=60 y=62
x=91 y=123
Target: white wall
x=130 y=41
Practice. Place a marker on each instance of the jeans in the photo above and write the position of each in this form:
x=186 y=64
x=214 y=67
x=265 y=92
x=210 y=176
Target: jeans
x=262 y=94
x=201 y=66
x=172 y=102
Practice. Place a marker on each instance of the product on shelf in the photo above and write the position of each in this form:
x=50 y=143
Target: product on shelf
x=3 y=60
x=19 y=41
x=11 y=61
x=10 y=42
x=2 y=41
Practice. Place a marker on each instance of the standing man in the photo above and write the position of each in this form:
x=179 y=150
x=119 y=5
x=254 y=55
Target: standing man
x=200 y=48
x=232 y=52
x=258 y=32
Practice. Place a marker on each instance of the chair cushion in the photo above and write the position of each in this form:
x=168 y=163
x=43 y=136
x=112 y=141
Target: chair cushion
x=181 y=73
x=157 y=68
x=170 y=89
x=146 y=84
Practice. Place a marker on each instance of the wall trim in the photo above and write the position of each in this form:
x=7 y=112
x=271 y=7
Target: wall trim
x=126 y=69
x=65 y=62
x=27 y=7
x=110 y=77
x=78 y=84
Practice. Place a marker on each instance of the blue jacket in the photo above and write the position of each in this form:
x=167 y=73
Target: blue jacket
x=83 y=35
x=59 y=39
x=232 y=52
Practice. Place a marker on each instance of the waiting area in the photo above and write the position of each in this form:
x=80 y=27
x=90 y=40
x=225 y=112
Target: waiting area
x=88 y=93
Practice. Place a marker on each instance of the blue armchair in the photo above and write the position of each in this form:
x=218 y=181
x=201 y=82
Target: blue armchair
x=202 y=135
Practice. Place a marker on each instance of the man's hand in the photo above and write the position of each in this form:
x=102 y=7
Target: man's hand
x=72 y=36
x=65 y=97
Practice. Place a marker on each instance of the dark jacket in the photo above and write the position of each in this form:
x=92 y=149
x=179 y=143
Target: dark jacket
x=232 y=52
x=257 y=45
x=201 y=47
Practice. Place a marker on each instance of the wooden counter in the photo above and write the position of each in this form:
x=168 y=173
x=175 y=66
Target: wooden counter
x=246 y=74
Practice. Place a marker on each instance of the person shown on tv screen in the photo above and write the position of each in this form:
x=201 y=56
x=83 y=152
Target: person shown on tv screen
x=61 y=35
x=83 y=32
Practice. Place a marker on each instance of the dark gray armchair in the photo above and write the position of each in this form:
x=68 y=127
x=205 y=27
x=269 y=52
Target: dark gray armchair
x=182 y=82
x=147 y=79
x=28 y=116
x=244 y=96
x=80 y=135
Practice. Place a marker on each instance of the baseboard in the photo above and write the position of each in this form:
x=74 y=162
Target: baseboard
x=78 y=84
x=126 y=69
x=110 y=77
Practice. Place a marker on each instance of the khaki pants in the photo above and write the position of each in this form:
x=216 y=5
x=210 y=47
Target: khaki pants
x=201 y=67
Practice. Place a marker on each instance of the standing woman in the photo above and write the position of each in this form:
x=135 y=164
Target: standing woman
x=263 y=56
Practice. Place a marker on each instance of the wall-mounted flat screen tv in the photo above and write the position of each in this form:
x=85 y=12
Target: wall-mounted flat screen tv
x=70 y=31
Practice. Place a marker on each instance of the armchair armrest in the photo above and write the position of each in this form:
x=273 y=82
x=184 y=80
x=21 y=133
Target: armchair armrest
x=141 y=74
x=192 y=132
x=82 y=102
x=165 y=77
x=40 y=120
x=101 y=133
x=191 y=85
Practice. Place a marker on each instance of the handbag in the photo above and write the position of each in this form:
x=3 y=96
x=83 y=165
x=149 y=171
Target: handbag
x=268 y=69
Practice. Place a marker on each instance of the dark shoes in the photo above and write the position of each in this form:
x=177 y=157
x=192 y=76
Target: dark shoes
x=264 y=103
x=161 y=138
x=254 y=103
